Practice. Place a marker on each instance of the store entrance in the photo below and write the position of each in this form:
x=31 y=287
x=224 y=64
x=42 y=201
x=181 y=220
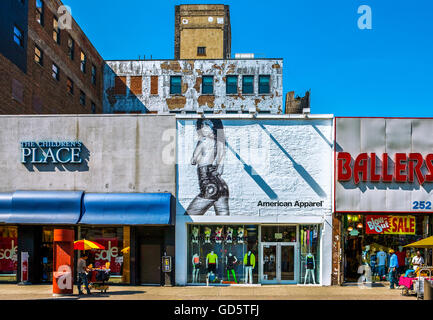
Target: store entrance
x=278 y=263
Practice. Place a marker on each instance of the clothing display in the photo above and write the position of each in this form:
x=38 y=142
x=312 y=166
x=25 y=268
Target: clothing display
x=231 y=261
x=212 y=257
x=310 y=266
x=249 y=263
x=381 y=258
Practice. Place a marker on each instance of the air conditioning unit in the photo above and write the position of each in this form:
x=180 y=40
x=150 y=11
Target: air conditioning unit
x=244 y=55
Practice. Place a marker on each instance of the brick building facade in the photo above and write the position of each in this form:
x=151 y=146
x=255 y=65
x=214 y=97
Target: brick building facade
x=61 y=71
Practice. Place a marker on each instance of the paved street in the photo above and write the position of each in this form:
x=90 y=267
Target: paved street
x=277 y=292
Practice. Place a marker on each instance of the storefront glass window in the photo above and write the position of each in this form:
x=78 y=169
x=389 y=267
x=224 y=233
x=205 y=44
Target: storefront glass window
x=309 y=241
x=114 y=253
x=369 y=238
x=8 y=253
x=278 y=233
x=47 y=254
x=222 y=254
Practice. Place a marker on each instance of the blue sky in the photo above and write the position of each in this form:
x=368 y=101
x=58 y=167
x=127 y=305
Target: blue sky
x=385 y=71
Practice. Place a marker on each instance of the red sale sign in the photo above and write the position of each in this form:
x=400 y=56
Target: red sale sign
x=110 y=254
x=390 y=224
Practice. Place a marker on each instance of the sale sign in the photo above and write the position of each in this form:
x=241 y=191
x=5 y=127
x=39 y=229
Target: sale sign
x=390 y=225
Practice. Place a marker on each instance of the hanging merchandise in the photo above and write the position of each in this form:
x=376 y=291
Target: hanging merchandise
x=218 y=234
x=207 y=234
x=229 y=235
x=302 y=239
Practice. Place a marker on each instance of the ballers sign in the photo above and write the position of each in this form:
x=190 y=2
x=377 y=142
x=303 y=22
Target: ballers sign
x=383 y=165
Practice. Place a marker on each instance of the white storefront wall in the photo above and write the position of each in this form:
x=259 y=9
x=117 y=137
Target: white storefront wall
x=275 y=160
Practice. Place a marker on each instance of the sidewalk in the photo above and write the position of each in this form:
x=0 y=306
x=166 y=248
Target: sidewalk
x=268 y=292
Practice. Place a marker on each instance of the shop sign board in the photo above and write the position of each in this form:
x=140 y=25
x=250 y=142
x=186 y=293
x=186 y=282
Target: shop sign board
x=390 y=225
x=254 y=167
x=383 y=165
x=46 y=152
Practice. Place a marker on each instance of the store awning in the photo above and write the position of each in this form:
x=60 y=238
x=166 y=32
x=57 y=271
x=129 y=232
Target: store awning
x=424 y=243
x=5 y=206
x=126 y=209
x=42 y=207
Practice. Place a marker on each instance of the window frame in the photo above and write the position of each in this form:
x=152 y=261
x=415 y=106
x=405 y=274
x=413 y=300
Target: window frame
x=55 y=72
x=19 y=37
x=201 y=53
x=262 y=76
x=41 y=56
x=203 y=85
x=82 y=98
x=252 y=84
x=40 y=11
x=227 y=86
x=56 y=32
x=93 y=76
x=83 y=62
x=71 y=48
x=70 y=89
x=179 y=86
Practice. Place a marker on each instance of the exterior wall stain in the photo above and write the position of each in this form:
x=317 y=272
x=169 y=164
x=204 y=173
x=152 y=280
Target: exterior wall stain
x=191 y=98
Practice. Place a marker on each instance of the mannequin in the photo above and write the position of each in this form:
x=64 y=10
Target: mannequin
x=218 y=234
x=207 y=233
x=194 y=236
x=373 y=263
x=240 y=236
x=196 y=264
x=249 y=264
x=365 y=254
x=211 y=264
x=229 y=236
x=310 y=266
x=231 y=261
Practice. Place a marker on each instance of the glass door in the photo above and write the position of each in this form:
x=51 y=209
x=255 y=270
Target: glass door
x=269 y=260
x=278 y=263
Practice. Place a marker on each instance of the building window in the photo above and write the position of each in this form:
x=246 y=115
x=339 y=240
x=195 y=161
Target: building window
x=93 y=108
x=83 y=61
x=40 y=12
x=207 y=85
x=93 y=74
x=230 y=252
x=82 y=98
x=248 y=84
x=175 y=85
x=55 y=73
x=264 y=84
x=154 y=85
x=18 y=36
x=136 y=84
x=56 y=30
x=9 y=250
x=70 y=86
x=232 y=84
x=39 y=56
x=71 y=47
x=17 y=91
x=120 y=85
x=201 y=51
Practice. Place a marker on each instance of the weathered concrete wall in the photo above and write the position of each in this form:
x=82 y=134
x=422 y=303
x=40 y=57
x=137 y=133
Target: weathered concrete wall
x=191 y=98
x=122 y=153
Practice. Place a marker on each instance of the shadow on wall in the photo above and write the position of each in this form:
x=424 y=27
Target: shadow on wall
x=71 y=167
x=118 y=97
x=254 y=175
x=299 y=168
x=364 y=186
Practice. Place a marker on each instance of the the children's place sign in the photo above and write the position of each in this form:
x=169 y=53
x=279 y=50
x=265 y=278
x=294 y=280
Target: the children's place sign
x=51 y=152
x=390 y=224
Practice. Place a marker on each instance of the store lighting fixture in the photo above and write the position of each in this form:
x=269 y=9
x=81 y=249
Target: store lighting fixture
x=359 y=226
x=350 y=229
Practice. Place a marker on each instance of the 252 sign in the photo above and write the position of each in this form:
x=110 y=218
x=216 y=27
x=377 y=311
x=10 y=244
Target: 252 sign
x=421 y=205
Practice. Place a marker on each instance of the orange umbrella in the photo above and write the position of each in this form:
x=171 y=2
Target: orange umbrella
x=87 y=245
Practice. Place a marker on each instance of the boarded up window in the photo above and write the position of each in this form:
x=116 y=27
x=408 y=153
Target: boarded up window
x=154 y=85
x=17 y=91
x=136 y=85
x=37 y=104
x=120 y=85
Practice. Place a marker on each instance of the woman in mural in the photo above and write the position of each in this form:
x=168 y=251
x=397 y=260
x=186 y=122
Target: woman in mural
x=208 y=157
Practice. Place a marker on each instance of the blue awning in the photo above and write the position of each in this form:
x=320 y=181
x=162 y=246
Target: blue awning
x=126 y=209
x=41 y=207
x=5 y=206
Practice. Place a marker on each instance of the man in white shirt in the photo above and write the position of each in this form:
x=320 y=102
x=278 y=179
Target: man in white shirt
x=417 y=261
